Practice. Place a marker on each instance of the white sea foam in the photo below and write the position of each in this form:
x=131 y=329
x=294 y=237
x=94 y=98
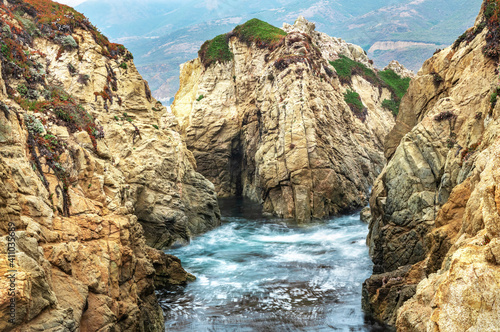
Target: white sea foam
x=251 y=272
x=293 y=256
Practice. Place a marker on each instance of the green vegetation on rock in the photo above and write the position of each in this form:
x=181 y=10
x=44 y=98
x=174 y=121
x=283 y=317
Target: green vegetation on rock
x=392 y=105
x=260 y=32
x=396 y=84
x=398 y=87
x=353 y=99
x=215 y=50
x=254 y=31
x=490 y=8
x=346 y=67
x=492 y=17
x=494 y=97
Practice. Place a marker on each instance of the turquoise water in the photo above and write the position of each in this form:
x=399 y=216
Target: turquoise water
x=261 y=274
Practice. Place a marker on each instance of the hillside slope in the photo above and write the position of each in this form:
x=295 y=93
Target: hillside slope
x=162 y=36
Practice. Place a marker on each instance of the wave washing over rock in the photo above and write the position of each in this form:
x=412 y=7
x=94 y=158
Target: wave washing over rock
x=271 y=115
x=86 y=157
x=434 y=236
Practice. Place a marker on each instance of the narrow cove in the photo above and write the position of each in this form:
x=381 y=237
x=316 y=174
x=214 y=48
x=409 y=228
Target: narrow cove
x=263 y=274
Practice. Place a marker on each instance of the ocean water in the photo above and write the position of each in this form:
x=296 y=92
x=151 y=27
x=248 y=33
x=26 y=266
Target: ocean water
x=262 y=274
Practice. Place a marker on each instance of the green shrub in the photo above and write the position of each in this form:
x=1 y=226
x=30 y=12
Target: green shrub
x=22 y=89
x=468 y=36
x=391 y=105
x=33 y=124
x=397 y=84
x=346 y=67
x=215 y=50
x=29 y=25
x=200 y=97
x=254 y=31
x=494 y=97
x=6 y=31
x=492 y=18
x=128 y=56
x=353 y=99
x=490 y=8
x=68 y=42
x=124 y=65
x=5 y=50
x=155 y=126
x=259 y=32
x=459 y=40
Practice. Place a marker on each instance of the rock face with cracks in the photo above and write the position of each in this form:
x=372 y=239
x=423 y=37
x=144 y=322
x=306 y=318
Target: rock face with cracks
x=434 y=233
x=88 y=160
x=272 y=124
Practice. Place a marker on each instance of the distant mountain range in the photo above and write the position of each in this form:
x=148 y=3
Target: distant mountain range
x=164 y=34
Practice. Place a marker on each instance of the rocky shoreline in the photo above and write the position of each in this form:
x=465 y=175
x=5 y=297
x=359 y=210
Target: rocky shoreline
x=434 y=230
x=95 y=173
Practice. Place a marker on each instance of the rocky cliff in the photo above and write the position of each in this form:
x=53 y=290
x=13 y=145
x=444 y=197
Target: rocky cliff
x=434 y=236
x=88 y=159
x=290 y=118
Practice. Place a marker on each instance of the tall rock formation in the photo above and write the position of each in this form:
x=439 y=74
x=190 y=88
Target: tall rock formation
x=434 y=235
x=266 y=116
x=86 y=157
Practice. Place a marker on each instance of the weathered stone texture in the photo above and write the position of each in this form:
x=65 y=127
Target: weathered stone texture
x=283 y=136
x=434 y=206
x=92 y=269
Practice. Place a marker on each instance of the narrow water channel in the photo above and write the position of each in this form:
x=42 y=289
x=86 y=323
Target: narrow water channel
x=261 y=274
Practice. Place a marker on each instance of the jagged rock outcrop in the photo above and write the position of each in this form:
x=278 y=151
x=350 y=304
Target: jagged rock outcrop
x=399 y=69
x=148 y=169
x=270 y=120
x=435 y=223
x=86 y=157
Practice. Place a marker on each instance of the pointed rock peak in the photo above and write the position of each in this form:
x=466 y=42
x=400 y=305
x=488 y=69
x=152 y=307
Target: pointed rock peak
x=300 y=25
x=400 y=69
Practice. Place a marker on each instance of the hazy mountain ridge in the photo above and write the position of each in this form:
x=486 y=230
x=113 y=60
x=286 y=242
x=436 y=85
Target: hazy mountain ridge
x=162 y=36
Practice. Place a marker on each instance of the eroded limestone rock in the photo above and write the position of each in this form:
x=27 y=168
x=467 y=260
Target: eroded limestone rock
x=272 y=125
x=74 y=198
x=434 y=206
